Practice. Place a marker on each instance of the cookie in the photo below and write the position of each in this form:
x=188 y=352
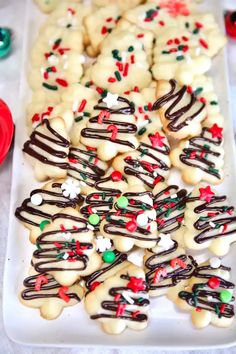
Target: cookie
x=147 y=165
x=99 y=24
x=121 y=3
x=37 y=210
x=169 y=204
x=38 y=111
x=120 y=302
x=181 y=111
x=113 y=130
x=113 y=262
x=85 y=166
x=43 y=292
x=209 y=297
x=47 y=6
x=99 y=200
x=47 y=149
x=201 y=158
x=209 y=222
x=80 y=100
x=66 y=249
x=123 y=65
x=166 y=266
x=131 y=221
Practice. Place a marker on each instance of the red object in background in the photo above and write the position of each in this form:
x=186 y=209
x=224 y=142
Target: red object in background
x=6 y=130
x=230 y=24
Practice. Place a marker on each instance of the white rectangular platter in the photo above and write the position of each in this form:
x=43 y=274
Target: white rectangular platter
x=168 y=328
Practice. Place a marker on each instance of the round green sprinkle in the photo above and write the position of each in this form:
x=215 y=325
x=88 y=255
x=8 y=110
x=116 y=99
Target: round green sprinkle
x=43 y=224
x=130 y=49
x=94 y=219
x=108 y=256
x=122 y=202
x=196 y=31
x=225 y=296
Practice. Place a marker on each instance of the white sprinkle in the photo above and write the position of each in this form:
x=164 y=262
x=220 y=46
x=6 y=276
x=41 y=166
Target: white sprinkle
x=90 y=227
x=66 y=255
x=221 y=229
x=136 y=257
x=64 y=56
x=103 y=243
x=52 y=59
x=82 y=283
x=125 y=295
x=212 y=224
x=215 y=262
x=111 y=100
x=143 y=124
x=165 y=241
x=198 y=51
x=187 y=144
x=123 y=56
x=82 y=59
x=36 y=199
x=187 y=121
x=173 y=196
x=142 y=220
x=209 y=297
x=155 y=173
x=65 y=235
x=65 y=66
x=42 y=70
x=94 y=210
x=75 y=106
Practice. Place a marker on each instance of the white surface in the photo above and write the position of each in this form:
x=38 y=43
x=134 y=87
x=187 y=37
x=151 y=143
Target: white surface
x=8 y=91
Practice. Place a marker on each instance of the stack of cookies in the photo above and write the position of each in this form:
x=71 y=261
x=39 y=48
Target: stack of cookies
x=120 y=97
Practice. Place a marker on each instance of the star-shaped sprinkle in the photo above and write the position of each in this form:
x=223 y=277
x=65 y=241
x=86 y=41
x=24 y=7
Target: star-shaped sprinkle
x=206 y=194
x=70 y=188
x=136 y=257
x=111 y=100
x=156 y=139
x=216 y=131
x=136 y=284
x=103 y=243
x=165 y=242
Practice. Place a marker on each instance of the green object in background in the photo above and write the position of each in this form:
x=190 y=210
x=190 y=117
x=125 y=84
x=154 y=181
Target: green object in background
x=5 y=42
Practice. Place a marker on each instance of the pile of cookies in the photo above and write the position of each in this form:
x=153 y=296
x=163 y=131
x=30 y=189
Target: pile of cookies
x=120 y=97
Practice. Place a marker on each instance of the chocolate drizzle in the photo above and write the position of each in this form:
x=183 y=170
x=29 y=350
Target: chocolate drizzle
x=123 y=127
x=112 y=305
x=40 y=144
x=49 y=257
x=178 y=114
x=173 y=276
x=47 y=291
x=200 y=152
x=150 y=165
x=84 y=165
x=27 y=212
x=199 y=297
x=170 y=211
x=216 y=213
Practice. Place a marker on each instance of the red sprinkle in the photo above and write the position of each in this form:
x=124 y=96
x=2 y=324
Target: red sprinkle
x=202 y=100
x=62 y=227
x=116 y=176
x=112 y=128
x=140 y=35
x=136 y=284
x=41 y=279
x=136 y=89
x=185 y=39
x=109 y=19
x=62 y=293
x=117 y=297
x=169 y=42
x=224 y=228
x=104 y=30
x=177 y=41
x=82 y=105
x=222 y=308
x=157 y=180
x=94 y=285
x=126 y=69
x=149 y=106
x=198 y=309
x=103 y=114
x=91 y=148
x=213 y=283
x=96 y=196
x=177 y=261
x=131 y=226
x=158 y=273
x=132 y=58
x=35 y=117
x=135 y=314
x=73 y=160
x=198 y=24
x=189 y=89
x=203 y=43
x=161 y=23
x=72 y=11
x=62 y=82
x=120 y=309
x=57 y=244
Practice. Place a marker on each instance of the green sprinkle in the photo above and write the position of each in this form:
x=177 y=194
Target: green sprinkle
x=109 y=30
x=94 y=219
x=122 y=202
x=203 y=218
x=158 y=7
x=117 y=75
x=144 y=152
x=181 y=47
x=217 y=226
x=103 y=196
x=91 y=159
x=73 y=240
x=87 y=114
x=108 y=217
x=167 y=214
x=142 y=131
x=225 y=296
x=198 y=90
x=217 y=310
x=66 y=244
x=206 y=147
x=50 y=87
x=88 y=84
x=60 y=255
x=108 y=256
x=131 y=49
x=110 y=200
x=187 y=24
x=104 y=94
x=165 y=52
x=145 y=108
x=140 y=299
x=196 y=31
x=43 y=224
x=38 y=246
x=213 y=170
x=84 y=166
x=58 y=41
x=78 y=119
x=213 y=103
x=180 y=57
x=83 y=175
x=69 y=25
x=143 y=206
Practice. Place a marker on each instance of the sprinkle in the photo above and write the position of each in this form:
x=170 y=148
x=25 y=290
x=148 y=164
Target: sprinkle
x=94 y=285
x=126 y=69
x=165 y=241
x=216 y=131
x=140 y=35
x=36 y=199
x=43 y=224
x=103 y=30
x=160 y=272
x=57 y=244
x=65 y=256
x=177 y=261
x=82 y=105
x=126 y=296
x=111 y=100
x=120 y=309
x=156 y=139
x=206 y=194
x=212 y=224
x=111 y=79
x=117 y=75
x=180 y=57
x=103 y=243
x=203 y=43
x=109 y=256
x=116 y=176
x=62 y=293
x=142 y=220
x=117 y=297
x=50 y=87
x=135 y=314
x=132 y=58
x=136 y=284
x=62 y=82
x=112 y=128
x=40 y=280
x=198 y=91
x=213 y=283
x=225 y=296
x=131 y=226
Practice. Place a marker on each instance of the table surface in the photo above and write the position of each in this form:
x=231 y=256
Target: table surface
x=9 y=85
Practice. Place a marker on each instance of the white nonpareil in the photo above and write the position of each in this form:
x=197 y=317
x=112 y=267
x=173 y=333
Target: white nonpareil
x=36 y=199
x=111 y=99
x=70 y=188
x=215 y=262
x=65 y=235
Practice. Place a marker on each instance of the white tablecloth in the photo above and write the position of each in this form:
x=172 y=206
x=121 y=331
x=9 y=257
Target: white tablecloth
x=12 y=15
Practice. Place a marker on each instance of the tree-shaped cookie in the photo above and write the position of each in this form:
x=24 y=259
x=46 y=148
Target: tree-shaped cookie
x=100 y=199
x=209 y=296
x=113 y=129
x=123 y=65
x=120 y=302
x=180 y=110
x=43 y=292
x=167 y=267
x=131 y=221
x=201 y=158
x=85 y=166
x=147 y=165
x=47 y=149
x=209 y=221
x=169 y=204
x=36 y=210
x=66 y=249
